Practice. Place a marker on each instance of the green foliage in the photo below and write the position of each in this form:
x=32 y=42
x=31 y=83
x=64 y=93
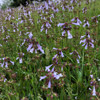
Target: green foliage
x=75 y=67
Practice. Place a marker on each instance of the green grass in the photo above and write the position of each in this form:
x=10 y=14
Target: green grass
x=23 y=79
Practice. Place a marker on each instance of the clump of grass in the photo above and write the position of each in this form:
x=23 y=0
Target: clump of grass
x=50 y=51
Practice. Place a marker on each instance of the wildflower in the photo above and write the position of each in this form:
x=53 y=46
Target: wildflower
x=66 y=27
x=59 y=53
x=46 y=25
x=48 y=67
x=94 y=19
x=76 y=55
x=76 y=21
x=40 y=48
x=20 y=57
x=34 y=46
x=50 y=75
x=86 y=23
x=29 y=47
x=30 y=35
x=5 y=80
x=6 y=60
x=84 y=10
x=87 y=41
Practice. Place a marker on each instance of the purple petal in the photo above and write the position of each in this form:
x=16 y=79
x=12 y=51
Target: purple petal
x=53 y=69
x=29 y=47
x=60 y=24
x=63 y=33
x=31 y=50
x=42 y=77
x=20 y=60
x=54 y=57
x=62 y=55
x=49 y=84
x=58 y=76
x=94 y=91
x=40 y=48
x=76 y=24
x=12 y=62
x=6 y=64
x=86 y=46
x=73 y=19
x=77 y=60
x=54 y=48
x=30 y=35
x=69 y=35
x=82 y=36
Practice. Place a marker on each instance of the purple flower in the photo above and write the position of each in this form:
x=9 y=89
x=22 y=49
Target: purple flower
x=51 y=75
x=59 y=52
x=40 y=48
x=30 y=35
x=5 y=62
x=78 y=22
x=20 y=57
x=87 y=41
x=29 y=47
x=48 y=67
x=55 y=56
x=86 y=24
x=62 y=55
x=57 y=76
x=91 y=76
x=77 y=56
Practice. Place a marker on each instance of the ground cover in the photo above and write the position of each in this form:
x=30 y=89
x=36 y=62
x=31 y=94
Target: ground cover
x=50 y=51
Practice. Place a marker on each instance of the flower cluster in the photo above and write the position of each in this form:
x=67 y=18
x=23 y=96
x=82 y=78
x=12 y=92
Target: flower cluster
x=20 y=57
x=6 y=62
x=66 y=28
x=46 y=26
x=76 y=56
x=87 y=42
x=34 y=46
x=51 y=75
x=93 y=84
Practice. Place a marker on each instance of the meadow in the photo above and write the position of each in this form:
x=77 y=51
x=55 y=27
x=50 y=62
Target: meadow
x=50 y=51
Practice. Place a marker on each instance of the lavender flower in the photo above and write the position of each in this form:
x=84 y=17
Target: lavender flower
x=6 y=61
x=86 y=23
x=59 y=53
x=87 y=41
x=48 y=67
x=78 y=22
x=34 y=47
x=20 y=57
x=76 y=55
x=46 y=25
x=51 y=75
x=66 y=27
